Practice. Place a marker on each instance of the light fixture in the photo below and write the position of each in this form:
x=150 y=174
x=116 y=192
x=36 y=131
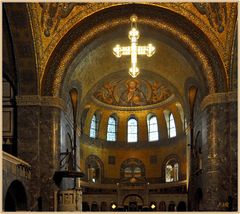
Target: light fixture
x=134 y=49
x=114 y=206
x=153 y=206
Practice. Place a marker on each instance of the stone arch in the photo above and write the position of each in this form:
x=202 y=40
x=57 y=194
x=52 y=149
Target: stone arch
x=23 y=47
x=8 y=61
x=95 y=159
x=210 y=65
x=162 y=206
x=16 y=197
x=129 y=195
x=85 y=206
x=94 y=206
x=166 y=160
x=191 y=82
x=181 y=206
x=171 y=206
x=103 y=206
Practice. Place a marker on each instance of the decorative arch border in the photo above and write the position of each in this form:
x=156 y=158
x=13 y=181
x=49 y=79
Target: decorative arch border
x=209 y=61
x=23 y=48
x=128 y=195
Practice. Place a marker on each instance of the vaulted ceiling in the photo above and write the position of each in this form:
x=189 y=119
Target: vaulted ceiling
x=73 y=43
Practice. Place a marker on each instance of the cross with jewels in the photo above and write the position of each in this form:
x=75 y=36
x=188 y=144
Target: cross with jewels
x=134 y=49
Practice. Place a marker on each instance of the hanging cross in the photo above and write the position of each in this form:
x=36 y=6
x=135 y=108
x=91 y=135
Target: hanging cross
x=134 y=49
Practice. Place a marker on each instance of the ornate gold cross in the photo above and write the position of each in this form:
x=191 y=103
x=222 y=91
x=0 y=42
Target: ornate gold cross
x=134 y=49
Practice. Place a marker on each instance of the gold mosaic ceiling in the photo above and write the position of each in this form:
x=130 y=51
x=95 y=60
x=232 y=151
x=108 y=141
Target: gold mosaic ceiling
x=51 y=21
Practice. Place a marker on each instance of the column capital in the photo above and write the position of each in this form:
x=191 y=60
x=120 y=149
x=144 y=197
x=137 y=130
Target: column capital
x=218 y=98
x=37 y=100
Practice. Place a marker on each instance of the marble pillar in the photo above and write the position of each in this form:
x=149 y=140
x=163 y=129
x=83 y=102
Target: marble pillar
x=217 y=148
x=39 y=145
x=28 y=148
x=49 y=153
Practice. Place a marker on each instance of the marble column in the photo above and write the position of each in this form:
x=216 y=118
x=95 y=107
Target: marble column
x=219 y=142
x=28 y=148
x=39 y=145
x=49 y=153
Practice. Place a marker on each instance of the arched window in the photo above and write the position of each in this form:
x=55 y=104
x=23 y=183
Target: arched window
x=132 y=168
x=94 y=127
x=112 y=129
x=94 y=169
x=133 y=171
x=137 y=172
x=171 y=171
x=94 y=172
x=132 y=130
x=152 y=128
x=171 y=126
x=127 y=172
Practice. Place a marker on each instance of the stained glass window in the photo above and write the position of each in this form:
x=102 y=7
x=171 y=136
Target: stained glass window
x=132 y=130
x=153 y=129
x=111 y=129
x=94 y=127
x=171 y=126
x=171 y=172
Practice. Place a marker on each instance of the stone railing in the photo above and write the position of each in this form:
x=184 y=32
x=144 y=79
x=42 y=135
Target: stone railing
x=16 y=167
x=150 y=186
x=85 y=139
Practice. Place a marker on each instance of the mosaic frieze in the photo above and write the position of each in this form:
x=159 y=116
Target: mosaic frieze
x=52 y=13
x=132 y=92
x=215 y=12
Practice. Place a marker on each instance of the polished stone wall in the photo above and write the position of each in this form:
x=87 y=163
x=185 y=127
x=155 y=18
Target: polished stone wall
x=217 y=179
x=38 y=144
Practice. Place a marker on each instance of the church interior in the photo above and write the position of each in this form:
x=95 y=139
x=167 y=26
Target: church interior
x=119 y=106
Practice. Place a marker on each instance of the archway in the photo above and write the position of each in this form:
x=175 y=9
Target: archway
x=172 y=206
x=58 y=64
x=16 y=198
x=133 y=202
x=85 y=206
x=162 y=206
x=94 y=206
x=181 y=206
